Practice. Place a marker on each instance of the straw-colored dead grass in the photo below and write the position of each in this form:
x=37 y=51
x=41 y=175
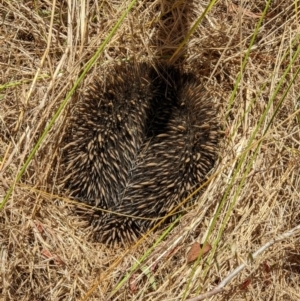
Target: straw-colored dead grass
x=45 y=249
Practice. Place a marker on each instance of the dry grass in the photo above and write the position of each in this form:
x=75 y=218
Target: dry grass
x=45 y=249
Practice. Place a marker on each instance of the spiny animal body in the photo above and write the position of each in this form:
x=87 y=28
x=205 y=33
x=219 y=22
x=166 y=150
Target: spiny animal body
x=138 y=144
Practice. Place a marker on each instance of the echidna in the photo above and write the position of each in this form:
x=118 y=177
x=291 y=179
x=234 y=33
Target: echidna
x=139 y=142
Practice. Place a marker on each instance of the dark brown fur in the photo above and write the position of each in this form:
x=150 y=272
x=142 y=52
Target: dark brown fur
x=138 y=146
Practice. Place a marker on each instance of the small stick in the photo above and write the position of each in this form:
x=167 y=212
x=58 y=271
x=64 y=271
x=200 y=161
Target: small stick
x=219 y=288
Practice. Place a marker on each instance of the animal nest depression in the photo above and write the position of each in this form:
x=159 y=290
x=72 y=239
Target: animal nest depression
x=139 y=141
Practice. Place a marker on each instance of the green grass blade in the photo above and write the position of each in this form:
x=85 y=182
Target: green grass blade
x=245 y=60
x=191 y=31
x=63 y=104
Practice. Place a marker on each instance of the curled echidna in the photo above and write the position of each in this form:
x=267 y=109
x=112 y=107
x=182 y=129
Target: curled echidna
x=139 y=142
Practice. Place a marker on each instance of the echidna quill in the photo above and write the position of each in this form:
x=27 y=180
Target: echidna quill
x=138 y=143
